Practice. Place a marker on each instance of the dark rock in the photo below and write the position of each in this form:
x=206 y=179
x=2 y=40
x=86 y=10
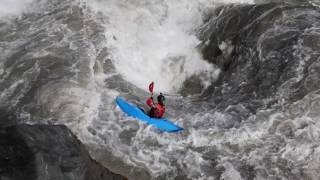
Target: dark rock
x=47 y=152
x=191 y=86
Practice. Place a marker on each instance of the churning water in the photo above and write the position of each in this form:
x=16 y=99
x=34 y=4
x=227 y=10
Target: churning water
x=65 y=61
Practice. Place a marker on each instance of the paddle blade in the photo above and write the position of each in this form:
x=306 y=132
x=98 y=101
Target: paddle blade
x=151 y=87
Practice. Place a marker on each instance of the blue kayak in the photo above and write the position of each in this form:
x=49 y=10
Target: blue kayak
x=134 y=111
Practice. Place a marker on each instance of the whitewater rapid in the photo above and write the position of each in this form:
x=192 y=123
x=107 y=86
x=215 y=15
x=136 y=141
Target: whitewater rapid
x=65 y=62
x=155 y=41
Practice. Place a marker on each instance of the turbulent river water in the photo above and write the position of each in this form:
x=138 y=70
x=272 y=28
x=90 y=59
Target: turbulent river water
x=242 y=79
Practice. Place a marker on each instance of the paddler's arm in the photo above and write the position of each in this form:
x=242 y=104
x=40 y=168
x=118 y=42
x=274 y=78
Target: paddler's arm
x=150 y=102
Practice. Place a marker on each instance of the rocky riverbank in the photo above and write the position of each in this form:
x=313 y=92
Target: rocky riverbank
x=46 y=152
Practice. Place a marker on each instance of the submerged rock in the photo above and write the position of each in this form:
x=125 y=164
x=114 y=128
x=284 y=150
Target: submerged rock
x=47 y=152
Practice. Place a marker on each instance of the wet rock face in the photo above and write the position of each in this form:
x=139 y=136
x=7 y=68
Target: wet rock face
x=268 y=53
x=46 y=152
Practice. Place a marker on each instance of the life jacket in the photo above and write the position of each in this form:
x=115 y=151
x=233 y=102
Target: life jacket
x=150 y=102
x=157 y=110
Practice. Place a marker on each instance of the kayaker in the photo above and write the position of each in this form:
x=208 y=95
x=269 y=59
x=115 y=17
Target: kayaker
x=157 y=109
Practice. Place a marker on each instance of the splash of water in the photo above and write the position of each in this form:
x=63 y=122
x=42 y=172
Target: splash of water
x=155 y=40
x=13 y=7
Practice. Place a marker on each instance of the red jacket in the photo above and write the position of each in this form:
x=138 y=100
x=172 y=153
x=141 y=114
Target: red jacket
x=157 y=110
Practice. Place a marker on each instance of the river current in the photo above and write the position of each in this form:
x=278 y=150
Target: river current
x=242 y=78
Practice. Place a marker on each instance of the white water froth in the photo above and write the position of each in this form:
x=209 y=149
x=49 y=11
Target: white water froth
x=13 y=7
x=155 y=40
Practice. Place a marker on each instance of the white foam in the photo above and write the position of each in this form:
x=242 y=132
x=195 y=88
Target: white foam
x=13 y=7
x=230 y=173
x=155 y=40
